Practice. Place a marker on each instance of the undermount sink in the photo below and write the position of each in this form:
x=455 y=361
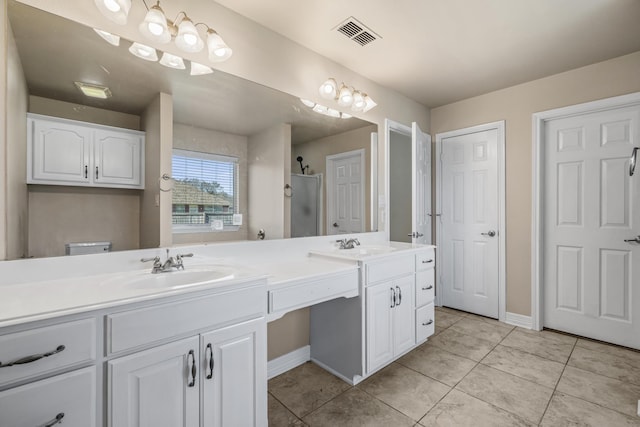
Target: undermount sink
x=357 y=252
x=174 y=279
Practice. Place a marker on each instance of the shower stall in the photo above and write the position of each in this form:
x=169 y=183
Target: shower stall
x=306 y=205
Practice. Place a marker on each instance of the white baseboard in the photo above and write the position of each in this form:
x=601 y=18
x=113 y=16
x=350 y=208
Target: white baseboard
x=519 y=320
x=288 y=361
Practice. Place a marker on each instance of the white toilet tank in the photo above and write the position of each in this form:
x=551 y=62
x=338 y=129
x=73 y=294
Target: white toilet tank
x=87 y=248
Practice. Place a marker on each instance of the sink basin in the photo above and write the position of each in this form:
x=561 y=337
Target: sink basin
x=358 y=252
x=174 y=279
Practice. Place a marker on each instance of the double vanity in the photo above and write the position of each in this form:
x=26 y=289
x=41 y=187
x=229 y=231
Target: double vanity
x=99 y=340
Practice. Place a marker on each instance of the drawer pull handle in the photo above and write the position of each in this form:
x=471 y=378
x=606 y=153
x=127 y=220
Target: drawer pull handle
x=428 y=288
x=393 y=297
x=399 y=295
x=193 y=368
x=56 y=420
x=33 y=357
x=211 y=364
x=96 y=172
x=427 y=261
x=86 y=171
x=428 y=323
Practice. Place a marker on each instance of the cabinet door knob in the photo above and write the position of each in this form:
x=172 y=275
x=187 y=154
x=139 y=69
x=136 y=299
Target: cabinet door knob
x=211 y=363
x=427 y=323
x=194 y=370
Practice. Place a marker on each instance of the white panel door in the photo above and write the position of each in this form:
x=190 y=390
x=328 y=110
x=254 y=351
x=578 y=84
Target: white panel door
x=469 y=222
x=155 y=387
x=117 y=158
x=345 y=193
x=591 y=205
x=420 y=185
x=404 y=324
x=234 y=373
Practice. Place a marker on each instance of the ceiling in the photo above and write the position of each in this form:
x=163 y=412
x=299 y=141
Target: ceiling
x=56 y=52
x=440 y=51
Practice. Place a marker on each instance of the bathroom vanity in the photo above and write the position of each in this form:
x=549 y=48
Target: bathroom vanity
x=95 y=340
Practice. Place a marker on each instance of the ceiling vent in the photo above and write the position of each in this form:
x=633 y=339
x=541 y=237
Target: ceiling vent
x=357 y=31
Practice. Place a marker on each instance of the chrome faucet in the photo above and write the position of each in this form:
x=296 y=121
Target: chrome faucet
x=168 y=265
x=348 y=244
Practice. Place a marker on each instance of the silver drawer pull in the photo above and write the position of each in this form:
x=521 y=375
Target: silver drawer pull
x=193 y=370
x=32 y=358
x=428 y=288
x=428 y=261
x=56 y=420
x=428 y=323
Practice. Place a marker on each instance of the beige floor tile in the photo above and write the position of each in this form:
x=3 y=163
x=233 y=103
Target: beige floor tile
x=494 y=332
x=552 y=335
x=462 y=344
x=306 y=388
x=525 y=365
x=615 y=350
x=486 y=319
x=356 y=408
x=438 y=329
x=523 y=398
x=459 y=409
x=451 y=311
x=595 y=388
x=406 y=390
x=610 y=365
x=542 y=344
x=438 y=364
x=445 y=319
x=279 y=416
x=565 y=410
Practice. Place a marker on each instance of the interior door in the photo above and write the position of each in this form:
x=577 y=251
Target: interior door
x=591 y=206
x=469 y=223
x=345 y=193
x=420 y=185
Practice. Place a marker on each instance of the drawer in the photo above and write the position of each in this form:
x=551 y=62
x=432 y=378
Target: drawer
x=388 y=268
x=425 y=287
x=426 y=259
x=425 y=322
x=71 y=397
x=148 y=325
x=66 y=344
x=313 y=292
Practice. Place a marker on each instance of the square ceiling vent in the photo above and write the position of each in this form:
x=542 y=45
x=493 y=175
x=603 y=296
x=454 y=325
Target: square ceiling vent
x=357 y=31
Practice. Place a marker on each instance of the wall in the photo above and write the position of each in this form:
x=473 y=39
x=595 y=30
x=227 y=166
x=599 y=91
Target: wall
x=3 y=128
x=516 y=105
x=315 y=155
x=16 y=154
x=59 y=214
x=269 y=165
x=155 y=205
x=400 y=187
x=188 y=137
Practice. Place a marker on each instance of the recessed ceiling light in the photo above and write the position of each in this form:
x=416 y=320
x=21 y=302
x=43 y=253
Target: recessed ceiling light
x=94 y=91
x=110 y=38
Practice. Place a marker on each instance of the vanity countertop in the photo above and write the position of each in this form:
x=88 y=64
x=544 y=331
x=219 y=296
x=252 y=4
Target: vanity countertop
x=367 y=252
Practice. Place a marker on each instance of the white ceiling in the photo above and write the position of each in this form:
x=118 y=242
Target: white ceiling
x=440 y=51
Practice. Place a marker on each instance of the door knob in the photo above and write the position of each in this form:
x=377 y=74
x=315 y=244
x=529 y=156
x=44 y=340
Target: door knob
x=491 y=233
x=335 y=224
x=636 y=240
x=415 y=234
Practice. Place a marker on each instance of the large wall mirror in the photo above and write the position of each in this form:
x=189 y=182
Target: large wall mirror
x=219 y=114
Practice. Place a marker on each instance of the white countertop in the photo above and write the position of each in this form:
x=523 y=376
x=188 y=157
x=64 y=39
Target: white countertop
x=367 y=252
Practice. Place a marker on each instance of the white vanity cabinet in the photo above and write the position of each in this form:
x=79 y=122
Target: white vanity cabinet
x=215 y=377
x=68 y=152
x=425 y=294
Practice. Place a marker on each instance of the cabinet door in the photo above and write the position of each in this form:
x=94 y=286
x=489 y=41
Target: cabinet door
x=156 y=387
x=404 y=325
x=379 y=307
x=69 y=399
x=235 y=375
x=59 y=152
x=117 y=156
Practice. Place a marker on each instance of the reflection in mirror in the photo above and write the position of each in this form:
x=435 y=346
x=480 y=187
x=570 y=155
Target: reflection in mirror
x=264 y=130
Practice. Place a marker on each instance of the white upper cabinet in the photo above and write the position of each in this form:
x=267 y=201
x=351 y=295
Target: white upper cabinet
x=68 y=152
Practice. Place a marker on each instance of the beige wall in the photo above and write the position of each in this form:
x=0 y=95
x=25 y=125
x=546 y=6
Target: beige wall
x=187 y=137
x=16 y=152
x=315 y=155
x=59 y=215
x=516 y=105
x=269 y=165
x=289 y=333
x=83 y=113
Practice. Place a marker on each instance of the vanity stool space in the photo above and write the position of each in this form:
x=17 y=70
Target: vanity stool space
x=394 y=312
x=195 y=358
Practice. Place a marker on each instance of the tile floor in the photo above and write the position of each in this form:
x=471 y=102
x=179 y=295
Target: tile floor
x=474 y=372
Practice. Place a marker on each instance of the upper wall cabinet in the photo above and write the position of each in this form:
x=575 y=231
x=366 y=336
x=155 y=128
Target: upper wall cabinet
x=68 y=152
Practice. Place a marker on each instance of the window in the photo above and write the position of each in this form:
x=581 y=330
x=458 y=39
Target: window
x=205 y=194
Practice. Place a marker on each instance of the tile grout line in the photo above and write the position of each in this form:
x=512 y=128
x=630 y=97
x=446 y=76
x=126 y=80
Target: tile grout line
x=285 y=406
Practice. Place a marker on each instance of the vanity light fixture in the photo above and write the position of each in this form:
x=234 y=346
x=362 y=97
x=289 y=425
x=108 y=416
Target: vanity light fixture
x=156 y=27
x=199 y=69
x=93 y=91
x=108 y=37
x=321 y=109
x=144 y=52
x=346 y=96
x=172 y=61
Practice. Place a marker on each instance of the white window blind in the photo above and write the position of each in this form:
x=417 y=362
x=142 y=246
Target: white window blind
x=205 y=190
